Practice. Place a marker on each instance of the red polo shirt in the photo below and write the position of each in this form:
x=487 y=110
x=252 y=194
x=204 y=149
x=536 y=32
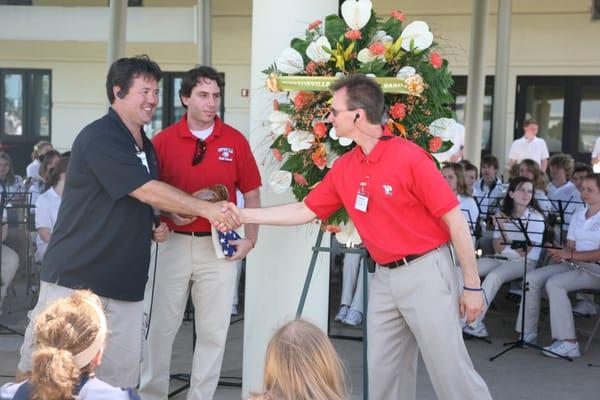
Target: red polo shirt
x=228 y=161
x=407 y=198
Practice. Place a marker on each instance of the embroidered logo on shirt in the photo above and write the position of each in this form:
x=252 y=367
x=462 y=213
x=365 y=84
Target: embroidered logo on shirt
x=226 y=154
x=387 y=189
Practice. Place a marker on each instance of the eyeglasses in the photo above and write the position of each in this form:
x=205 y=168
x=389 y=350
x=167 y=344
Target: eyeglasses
x=335 y=112
x=199 y=152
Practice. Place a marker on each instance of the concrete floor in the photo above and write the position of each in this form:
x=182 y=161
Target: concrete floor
x=521 y=374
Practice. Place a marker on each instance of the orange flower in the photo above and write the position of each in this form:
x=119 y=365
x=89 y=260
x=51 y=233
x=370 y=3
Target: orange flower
x=398 y=111
x=275 y=105
x=300 y=180
x=436 y=60
x=319 y=156
x=333 y=229
x=320 y=130
x=435 y=143
x=399 y=15
x=353 y=34
x=377 y=48
x=277 y=154
x=302 y=99
x=314 y=24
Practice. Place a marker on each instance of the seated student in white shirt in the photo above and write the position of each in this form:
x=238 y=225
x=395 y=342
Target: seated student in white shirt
x=40 y=148
x=10 y=263
x=518 y=205
x=529 y=146
x=580 y=171
x=47 y=207
x=39 y=185
x=471 y=174
x=487 y=192
x=563 y=194
x=531 y=170
x=453 y=174
x=582 y=247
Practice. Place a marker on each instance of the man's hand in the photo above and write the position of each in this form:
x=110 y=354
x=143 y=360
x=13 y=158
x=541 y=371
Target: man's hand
x=161 y=234
x=179 y=219
x=242 y=247
x=224 y=216
x=471 y=305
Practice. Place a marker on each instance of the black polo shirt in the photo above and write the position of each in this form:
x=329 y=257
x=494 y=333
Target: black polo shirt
x=102 y=237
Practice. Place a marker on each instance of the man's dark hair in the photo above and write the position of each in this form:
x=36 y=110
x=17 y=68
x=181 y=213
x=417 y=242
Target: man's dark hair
x=583 y=167
x=362 y=92
x=123 y=71
x=198 y=75
x=490 y=160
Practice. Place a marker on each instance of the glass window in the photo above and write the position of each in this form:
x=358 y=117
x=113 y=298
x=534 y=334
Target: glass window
x=589 y=118
x=156 y=125
x=178 y=109
x=546 y=104
x=13 y=104
x=40 y=104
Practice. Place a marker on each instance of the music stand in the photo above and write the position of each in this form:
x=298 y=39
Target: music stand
x=522 y=244
x=4 y=201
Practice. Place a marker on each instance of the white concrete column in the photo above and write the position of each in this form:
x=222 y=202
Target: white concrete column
x=203 y=32
x=501 y=136
x=476 y=82
x=277 y=267
x=117 y=31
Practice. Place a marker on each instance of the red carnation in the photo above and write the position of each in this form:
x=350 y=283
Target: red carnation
x=399 y=15
x=353 y=34
x=310 y=67
x=436 y=60
x=320 y=130
x=277 y=154
x=302 y=99
x=377 y=48
x=435 y=143
x=398 y=111
x=300 y=180
x=314 y=24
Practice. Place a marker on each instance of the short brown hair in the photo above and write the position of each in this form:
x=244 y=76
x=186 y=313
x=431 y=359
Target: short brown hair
x=362 y=92
x=530 y=121
x=564 y=161
x=490 y=160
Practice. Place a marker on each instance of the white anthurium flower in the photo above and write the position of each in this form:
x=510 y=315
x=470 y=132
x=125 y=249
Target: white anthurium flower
x=372 y=76
x=366 y=56
x=300 y=140
x=290 y=61
x=405 y=72
x=340 y=74
x=278 y=120
x=315 y=50
x=343 y=141
x=418 y=34
x=356 y=13
x=381 y=36
x=331 y=155
x=332 y=133
x=444 y=128
x=348 y=235
x=280 y=181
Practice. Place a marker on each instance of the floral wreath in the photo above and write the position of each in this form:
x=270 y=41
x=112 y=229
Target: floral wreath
x=415 y=81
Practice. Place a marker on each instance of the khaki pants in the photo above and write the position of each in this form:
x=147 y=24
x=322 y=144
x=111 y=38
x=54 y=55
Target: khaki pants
x=181 y=260
x=412 y=308
x=121 y=361
x=558 y=280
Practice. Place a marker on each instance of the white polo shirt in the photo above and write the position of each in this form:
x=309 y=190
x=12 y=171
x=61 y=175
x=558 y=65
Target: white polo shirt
x=534 y=225
x=534 y=149
x=46 y=211
x=470 y=210
x=566 y=197
x=488 y=196
x=585 y=231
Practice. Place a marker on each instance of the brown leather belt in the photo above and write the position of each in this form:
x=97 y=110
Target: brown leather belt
x=404 y=261
x=196 y=234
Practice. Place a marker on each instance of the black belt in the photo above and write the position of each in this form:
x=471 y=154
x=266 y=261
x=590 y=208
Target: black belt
x=404 y=261
x=195 y=234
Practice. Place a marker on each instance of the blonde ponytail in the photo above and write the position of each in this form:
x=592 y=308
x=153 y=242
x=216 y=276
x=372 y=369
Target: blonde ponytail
x=54 y=374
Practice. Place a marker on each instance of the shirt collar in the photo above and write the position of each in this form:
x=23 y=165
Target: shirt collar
x=115 y=117
x=375 y=155
x=185 y=132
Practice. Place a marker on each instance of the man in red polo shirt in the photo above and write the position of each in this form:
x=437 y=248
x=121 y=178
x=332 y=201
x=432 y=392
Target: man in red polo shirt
x=197 y=152
x=406 y=215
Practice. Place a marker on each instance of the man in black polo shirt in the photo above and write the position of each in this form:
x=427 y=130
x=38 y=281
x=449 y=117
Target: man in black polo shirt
x=104 y=228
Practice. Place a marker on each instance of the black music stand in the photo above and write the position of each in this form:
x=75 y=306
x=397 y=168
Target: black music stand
x=520 y=343
x=4 y=201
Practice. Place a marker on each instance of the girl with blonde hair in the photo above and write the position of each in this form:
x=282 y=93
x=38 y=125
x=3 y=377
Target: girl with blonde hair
x=302 y=364
x=70 y=335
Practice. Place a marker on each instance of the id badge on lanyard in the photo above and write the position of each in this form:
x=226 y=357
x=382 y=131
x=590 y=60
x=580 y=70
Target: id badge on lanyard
x=362 y=198
x=141 y=154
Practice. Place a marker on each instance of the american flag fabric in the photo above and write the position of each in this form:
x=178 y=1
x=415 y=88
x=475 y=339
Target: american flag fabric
x=224 y=238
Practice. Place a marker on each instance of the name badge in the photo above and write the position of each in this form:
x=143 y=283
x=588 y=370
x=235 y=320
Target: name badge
x=142 y=156
x=362 y=198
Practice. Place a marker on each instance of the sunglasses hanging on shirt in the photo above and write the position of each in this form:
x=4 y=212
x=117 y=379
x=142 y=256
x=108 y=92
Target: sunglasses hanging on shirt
x=199 y=152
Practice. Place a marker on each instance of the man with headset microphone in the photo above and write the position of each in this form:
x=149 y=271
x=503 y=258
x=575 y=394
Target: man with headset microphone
x=386 y=184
